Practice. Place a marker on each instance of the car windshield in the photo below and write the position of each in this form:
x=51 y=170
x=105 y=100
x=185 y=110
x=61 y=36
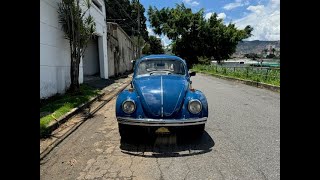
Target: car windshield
x=153 y=67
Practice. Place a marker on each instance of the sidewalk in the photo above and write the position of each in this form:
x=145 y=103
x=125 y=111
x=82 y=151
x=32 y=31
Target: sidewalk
x=67 y=124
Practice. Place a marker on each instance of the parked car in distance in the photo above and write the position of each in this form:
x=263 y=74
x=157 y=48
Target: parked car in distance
x=161 y=98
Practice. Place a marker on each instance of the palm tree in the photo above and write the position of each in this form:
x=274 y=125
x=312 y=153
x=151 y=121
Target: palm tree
x=78 y=30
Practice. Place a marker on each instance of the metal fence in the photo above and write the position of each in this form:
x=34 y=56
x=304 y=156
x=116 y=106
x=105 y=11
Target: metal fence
x=263 y=74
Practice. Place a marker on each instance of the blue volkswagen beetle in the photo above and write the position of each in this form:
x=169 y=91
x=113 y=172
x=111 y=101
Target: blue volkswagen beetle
x=161 y=97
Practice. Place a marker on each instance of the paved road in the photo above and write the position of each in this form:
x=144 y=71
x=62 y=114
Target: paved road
x=242 y=141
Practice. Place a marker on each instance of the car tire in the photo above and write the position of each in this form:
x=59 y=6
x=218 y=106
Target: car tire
x=124 y=131
x=199 y=129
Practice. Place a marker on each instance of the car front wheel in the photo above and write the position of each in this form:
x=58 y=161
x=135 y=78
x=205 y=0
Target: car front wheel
x=124 y=131
x=199 y=129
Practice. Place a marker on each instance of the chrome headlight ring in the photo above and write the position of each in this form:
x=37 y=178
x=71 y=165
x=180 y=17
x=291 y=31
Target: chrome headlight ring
x=128 y=106
x=192 y=106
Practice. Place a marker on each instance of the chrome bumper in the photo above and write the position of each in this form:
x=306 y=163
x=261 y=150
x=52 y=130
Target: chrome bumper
x=162 y=122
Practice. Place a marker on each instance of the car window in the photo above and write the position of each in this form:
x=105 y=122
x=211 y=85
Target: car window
x=152 y=67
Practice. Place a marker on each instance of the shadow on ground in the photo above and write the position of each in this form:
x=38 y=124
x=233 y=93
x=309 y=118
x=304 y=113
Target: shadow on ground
x=173 y=145
x=96 y=82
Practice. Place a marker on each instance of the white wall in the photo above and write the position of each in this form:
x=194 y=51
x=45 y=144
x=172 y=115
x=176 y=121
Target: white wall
x=55 y=50
x=101 y=32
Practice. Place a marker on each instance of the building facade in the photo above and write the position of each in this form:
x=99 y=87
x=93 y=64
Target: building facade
x=55 y=51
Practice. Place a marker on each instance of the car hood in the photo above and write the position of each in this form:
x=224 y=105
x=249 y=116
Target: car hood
x=161 y=96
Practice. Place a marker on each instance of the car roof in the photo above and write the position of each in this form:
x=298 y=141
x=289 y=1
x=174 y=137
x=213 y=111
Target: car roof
x=160 y=56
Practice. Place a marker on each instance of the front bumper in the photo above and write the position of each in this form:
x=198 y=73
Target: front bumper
x=162 y=122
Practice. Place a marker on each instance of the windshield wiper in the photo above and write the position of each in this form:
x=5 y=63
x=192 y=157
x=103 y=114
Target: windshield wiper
x=159 y=72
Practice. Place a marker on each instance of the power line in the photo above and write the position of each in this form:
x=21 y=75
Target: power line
x=138 y=19
x=121 y=22
x=123 y=10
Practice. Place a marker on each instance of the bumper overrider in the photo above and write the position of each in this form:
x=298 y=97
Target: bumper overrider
x=162 y=122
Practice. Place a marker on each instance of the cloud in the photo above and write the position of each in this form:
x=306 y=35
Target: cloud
x=149 y=30
x=191 y=2
x=208 y=15
x=220 y=15
x=151 y=33
x=164 y=39
x=265 y=20
x=256 y=9
x=237 y=3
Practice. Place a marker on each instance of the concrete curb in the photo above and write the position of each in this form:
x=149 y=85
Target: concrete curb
x=55 y=124
x=247 y=82
x=45 y=152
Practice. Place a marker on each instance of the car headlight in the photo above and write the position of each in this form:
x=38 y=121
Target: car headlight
x=194 y=106
x=128 y=106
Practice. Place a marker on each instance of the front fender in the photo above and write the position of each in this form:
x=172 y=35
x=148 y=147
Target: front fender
x=197 y=94
x=124 y=95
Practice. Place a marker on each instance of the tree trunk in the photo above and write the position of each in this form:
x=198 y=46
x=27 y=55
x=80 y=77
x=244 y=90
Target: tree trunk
x=74 y=75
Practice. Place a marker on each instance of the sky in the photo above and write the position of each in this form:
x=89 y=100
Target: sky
x=262 y=15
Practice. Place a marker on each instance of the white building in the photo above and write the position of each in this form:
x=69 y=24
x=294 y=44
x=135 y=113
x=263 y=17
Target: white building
x=55 y=50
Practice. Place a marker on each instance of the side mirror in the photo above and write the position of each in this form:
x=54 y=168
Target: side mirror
x=192 y=73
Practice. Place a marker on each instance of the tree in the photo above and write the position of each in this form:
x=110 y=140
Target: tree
x=193 y=36
x=251 y=56
x=264 y=51
x=168 y=49
x=78 y=30
x=146 y=49
x=135 y=4
x=125 y=13
x=139 y=42
x=270 y=56
x=153 y=46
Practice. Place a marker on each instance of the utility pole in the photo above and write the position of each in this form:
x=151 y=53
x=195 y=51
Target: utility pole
x=139 y=29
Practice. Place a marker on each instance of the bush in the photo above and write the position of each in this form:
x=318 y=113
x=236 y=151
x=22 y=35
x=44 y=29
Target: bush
x=257 y=75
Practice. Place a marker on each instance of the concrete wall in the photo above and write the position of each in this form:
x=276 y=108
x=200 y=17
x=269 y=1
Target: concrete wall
x=121 y=50
x=55 y=50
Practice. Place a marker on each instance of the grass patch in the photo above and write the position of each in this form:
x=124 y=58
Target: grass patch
x=270 y=76
x=61 y=104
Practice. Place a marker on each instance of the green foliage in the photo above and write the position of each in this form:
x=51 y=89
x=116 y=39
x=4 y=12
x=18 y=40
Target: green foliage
x=271 y=76
x=78 y=29
x=193 y=36
x=271 y=56
x=138 y=41
x=168 y=49
x=127 y=10
x=60 y=105
x=146 y=49
x=252 y=56
x=204 y=60
x=153 y=46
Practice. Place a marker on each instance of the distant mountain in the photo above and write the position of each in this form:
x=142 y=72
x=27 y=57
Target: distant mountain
x=246 y=47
